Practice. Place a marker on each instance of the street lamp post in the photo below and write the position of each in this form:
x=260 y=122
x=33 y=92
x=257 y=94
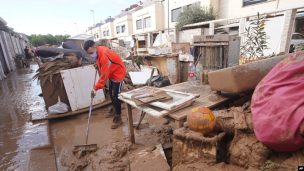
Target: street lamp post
x=93 y=13
x=76 y=26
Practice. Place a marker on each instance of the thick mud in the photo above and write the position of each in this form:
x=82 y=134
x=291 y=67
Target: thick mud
x=114 y=147
x=18 y=100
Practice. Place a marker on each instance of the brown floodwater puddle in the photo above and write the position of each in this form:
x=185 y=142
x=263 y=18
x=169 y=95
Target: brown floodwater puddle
x=18 y=100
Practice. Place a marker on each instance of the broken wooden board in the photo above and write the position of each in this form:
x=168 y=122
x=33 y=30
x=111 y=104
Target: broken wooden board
x=161 y=96
x=143 y=91
x=178 y=98
x=78 y=83
x=72 y=113
x=149 y=159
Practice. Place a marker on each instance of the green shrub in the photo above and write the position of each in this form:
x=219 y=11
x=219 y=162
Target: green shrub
x=194 y=14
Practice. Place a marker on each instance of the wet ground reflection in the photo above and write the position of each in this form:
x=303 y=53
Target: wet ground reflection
x=18 y=100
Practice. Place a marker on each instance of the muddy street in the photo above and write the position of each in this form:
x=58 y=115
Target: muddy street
x=18 y=100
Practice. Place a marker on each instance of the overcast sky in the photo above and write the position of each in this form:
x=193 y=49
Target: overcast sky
x=58 y=16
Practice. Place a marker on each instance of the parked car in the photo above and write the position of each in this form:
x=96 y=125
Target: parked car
x=296 y=39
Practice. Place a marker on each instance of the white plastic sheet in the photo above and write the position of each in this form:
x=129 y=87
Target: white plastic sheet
x=59 y=108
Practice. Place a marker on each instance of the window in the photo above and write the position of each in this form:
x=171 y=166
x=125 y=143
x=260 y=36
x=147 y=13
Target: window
x=108 y=33
x=139 y=24
x=147 y=22
x=123 y=28
x=118 y=29
x=175 y=14
x=251 y=2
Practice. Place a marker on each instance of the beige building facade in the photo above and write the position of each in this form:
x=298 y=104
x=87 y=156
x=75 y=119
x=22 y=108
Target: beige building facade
x=123 y=26
x=148 y=19
x=243 y=8
x=107 y=30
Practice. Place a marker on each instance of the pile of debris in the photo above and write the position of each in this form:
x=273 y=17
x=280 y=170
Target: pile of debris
x=49 y=69
x=239 y=148
x=245 y=150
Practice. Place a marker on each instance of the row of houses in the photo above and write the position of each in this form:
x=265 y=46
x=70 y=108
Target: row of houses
x=11 y=44
x=153 y=16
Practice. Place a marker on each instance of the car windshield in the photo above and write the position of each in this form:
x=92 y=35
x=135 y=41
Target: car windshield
x=297 y=36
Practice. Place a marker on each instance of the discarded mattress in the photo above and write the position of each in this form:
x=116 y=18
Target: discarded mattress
x=73 y=46
x=86 y=59
x=51 y=52
x=277 y=105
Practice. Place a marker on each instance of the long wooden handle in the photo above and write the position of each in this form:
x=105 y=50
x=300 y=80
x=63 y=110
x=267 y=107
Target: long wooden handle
x=90 y=111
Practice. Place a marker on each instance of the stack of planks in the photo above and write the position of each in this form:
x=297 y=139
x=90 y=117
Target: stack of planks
x=146 y=97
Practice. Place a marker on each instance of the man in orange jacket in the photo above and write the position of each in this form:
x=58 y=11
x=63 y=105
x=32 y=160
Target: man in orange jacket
x=111 y=68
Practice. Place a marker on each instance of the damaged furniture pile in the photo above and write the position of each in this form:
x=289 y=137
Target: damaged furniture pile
x=60 y=70
x=211 y=118
x=226 y=88
x=232 y=144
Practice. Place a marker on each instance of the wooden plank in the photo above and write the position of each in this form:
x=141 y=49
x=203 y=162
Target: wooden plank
x=155 y=56
x=183 y=47
x=161 y=96
x=78 y=83
x=72 y=113
x=130 y=122
x=211 y=44
x=179 y=99
x=211 y=38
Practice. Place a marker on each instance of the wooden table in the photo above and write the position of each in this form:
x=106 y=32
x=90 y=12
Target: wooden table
x=207 y=98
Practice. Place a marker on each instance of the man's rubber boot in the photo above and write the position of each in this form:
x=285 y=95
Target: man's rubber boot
x=116 y=122
x=110 y=113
